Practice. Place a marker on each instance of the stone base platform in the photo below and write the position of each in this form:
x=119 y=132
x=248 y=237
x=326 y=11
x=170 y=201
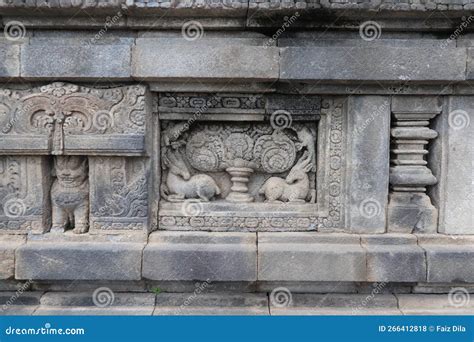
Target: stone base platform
x=147 y=304
x=230 y=257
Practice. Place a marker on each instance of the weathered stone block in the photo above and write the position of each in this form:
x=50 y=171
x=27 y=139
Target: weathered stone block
x=369 y=118
x=102 y=302
x=310 y=257
x=211 y=304
x=174 y=58
x=8 y=245
x=449 y=259
x=435 y=304
x=200 y=256
x=10 y=60
x=375 y=64
x=452 y=158
x=75 y=60
x=333 y=304
x=394 y=258
x=20 y=302
x=80 y=260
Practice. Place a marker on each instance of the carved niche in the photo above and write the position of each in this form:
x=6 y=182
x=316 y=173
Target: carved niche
x=260 y=164
x=70 y=194
x=64 y=125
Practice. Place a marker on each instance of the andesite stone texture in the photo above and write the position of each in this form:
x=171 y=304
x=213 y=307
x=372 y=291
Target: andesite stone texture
x=197 y=163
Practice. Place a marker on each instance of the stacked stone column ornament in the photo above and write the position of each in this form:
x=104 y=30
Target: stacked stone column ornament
x=410 y=209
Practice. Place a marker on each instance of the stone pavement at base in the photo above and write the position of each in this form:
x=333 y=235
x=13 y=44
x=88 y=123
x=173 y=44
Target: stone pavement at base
x=128 y=303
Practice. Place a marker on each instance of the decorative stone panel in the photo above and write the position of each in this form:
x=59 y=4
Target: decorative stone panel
x=251 y=163
x=90 y=166
x=24 y=189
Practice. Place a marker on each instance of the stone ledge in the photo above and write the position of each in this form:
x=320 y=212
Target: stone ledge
x=433 y=304
x=372 y=64
x=211 y=304
x=394 y=258
x=336 y=304
x=19 y=303
x=8 y=245
x=81 y=303
x=310 y=257
x=200 y=256
x=79 y=261
x=449 y=258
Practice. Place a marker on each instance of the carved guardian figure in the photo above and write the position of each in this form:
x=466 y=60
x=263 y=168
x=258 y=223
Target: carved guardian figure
x=294 y=188
x=70 y=194
x=181 y=185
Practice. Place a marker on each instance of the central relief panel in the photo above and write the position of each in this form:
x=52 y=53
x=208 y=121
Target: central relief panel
x=250 y=163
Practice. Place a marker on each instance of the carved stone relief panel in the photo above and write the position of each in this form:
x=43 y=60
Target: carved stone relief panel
x=62 y=118
x=251 y=165
x=24 y=193
x=93 y=174
x=119 y=193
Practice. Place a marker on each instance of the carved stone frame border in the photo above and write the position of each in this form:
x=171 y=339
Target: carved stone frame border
x=329 y=210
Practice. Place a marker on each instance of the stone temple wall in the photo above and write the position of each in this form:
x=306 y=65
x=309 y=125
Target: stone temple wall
x=322 y=146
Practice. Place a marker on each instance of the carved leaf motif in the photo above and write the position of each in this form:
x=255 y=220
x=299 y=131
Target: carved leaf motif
x=205 y=151
x=276 y=153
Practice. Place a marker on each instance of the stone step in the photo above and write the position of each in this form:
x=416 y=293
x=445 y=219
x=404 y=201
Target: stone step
x=278 y=302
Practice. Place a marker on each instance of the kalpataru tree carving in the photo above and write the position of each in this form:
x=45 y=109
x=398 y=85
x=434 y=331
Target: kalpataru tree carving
x=68 y=121
x=255 y=176
x=239 y=150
